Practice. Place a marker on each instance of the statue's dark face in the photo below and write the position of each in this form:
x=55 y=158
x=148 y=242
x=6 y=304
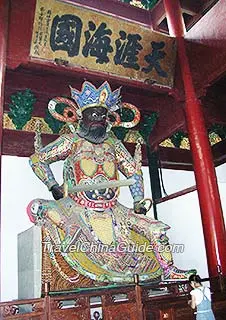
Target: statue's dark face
x=93 y=124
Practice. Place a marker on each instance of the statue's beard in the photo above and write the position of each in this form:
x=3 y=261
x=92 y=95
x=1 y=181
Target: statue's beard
x=92 y=133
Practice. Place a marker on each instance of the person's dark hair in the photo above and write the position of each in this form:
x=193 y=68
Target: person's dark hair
x=195 y=277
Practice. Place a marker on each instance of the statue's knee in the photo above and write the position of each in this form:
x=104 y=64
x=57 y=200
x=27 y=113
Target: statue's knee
x=34 y=211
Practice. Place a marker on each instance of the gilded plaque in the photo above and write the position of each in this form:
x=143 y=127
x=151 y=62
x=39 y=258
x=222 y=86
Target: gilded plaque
x=80 y=37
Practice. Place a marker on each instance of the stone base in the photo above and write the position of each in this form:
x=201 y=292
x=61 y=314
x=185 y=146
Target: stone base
x=29 y=263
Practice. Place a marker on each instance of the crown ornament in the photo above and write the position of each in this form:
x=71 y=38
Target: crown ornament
x=89 y=97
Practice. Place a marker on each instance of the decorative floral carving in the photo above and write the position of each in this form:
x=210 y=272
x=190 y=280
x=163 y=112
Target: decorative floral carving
x=9 y=310
x=21 y=107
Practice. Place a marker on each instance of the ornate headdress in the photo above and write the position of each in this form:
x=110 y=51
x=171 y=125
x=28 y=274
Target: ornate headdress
x=89 y=97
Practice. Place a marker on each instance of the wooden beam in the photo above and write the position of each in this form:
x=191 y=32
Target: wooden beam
x=20 y=143
x=176 y=194
x=157 y=14
x=206 y=47
x=117 y=9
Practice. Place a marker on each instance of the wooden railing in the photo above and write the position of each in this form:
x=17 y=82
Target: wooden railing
x=24 y=309
x=136 y=302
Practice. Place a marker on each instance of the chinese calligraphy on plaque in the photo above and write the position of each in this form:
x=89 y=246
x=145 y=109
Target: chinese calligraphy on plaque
x=88 y=39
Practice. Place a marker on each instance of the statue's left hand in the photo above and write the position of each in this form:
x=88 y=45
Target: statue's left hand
x=143 y=206
x=57 y=192
x=139 y=208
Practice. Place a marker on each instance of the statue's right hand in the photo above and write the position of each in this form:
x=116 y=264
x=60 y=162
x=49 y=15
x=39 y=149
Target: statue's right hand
x=57 y=192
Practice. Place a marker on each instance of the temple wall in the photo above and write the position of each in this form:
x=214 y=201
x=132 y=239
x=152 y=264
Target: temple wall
x=183 y=215
x=20 y=186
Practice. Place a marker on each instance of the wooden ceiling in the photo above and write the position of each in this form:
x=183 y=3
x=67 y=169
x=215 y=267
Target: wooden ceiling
x=206 y=49
x=193 y=11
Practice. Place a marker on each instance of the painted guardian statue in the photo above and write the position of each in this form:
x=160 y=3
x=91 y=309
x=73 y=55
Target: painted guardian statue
x=97 y=237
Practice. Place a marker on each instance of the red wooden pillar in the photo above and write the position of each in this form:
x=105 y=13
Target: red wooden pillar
x=209 y=198
x=4 y=6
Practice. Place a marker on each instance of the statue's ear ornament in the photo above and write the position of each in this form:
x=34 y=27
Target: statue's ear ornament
x=127 y=124
x=89 y=97
x=71 y=113
x=116 y=119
